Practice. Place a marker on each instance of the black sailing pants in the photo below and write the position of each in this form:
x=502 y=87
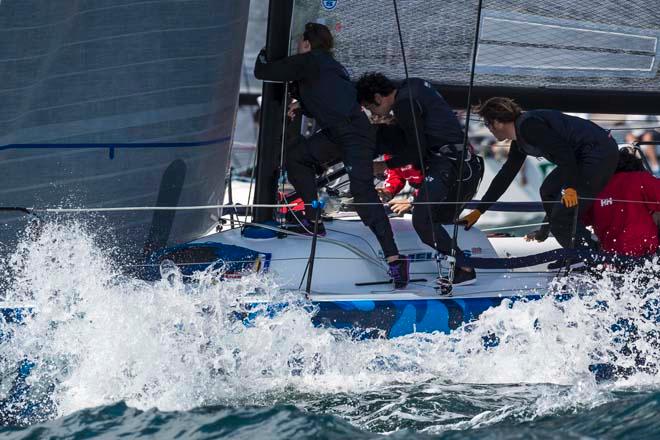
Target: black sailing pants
x=353 y=143
x=596 y=166
x=441 y=185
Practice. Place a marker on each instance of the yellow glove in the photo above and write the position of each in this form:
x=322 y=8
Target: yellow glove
x=569 y=197
x=470 y=219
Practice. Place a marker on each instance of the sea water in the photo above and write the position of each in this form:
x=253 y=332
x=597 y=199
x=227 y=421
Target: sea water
x=112 y=355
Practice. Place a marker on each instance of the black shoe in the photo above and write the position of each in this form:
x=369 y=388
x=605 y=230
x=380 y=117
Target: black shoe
x=399 y=271
x=306 y=227
x=461 y=278
x=570 y=263
x=464 y=277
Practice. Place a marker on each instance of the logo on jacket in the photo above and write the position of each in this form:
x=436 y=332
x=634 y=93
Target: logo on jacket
x=606 y=202
x=329 y=5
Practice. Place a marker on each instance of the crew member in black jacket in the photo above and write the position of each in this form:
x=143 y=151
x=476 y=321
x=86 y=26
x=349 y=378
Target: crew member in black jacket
x=440 y=138
x=586 y=156
x=326 y=93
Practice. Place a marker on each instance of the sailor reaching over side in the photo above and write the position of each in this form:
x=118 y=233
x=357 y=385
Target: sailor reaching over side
x=585 y=154
x=326 y=93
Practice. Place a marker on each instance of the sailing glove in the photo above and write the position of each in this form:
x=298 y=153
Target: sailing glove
x=569 y=197
x=470 y=219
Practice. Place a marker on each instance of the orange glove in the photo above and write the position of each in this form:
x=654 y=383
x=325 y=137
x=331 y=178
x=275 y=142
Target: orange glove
x=569 y=197
x=470 y=219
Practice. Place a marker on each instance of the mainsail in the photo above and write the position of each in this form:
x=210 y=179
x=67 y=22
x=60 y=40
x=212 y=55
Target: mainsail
x=114 y=103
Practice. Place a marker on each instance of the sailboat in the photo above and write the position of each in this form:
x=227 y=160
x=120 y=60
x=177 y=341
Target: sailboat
x=544 y=56
x=133 y=104
x=573 y=61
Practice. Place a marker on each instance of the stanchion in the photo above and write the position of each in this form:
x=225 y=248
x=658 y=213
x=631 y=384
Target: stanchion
x=573 y=233
x=230 y=195
x=317 y=205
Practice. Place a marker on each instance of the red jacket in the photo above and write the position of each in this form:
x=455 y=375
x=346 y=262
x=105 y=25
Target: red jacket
x=396 y=177
x=627 y=228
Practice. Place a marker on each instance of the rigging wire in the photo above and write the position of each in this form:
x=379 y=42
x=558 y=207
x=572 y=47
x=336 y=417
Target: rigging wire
x=454 y=239
x=417 y=140
x=252 y=176
x=33 y=210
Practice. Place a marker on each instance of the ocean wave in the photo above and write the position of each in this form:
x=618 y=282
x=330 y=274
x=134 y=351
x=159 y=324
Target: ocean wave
x=100 y=336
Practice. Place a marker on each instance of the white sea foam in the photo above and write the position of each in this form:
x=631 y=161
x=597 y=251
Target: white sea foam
x=102 y=337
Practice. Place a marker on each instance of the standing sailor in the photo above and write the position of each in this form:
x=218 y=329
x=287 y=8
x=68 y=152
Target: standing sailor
x=440 y=138
x=585 y=154
x=327 y=94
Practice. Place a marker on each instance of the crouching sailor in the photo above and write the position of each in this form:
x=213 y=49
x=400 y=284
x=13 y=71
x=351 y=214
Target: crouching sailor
x=327 y=94
x=622 y=217
x=585 y=154
x=396 y=178
x=440 y=138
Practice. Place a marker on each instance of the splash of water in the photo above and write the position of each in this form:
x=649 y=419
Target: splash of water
x=102 y=337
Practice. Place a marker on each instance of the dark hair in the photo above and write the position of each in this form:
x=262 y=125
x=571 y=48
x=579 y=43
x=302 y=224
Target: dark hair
x=319 y=36
x=630 y=159
x=499 y=109
x=371 y=83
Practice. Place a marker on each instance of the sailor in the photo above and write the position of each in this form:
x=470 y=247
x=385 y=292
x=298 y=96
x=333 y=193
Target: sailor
x=397 y=175
x=440 y=138
x=585 y=155
x=396 y=178
x=627 y=228
x=326 y=93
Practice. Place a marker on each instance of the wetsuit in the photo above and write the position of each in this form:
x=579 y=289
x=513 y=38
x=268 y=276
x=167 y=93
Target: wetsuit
x=441 y=139
x=586 y=157
x=326 y=93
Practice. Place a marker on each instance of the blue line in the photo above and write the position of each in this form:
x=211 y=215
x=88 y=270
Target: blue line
x=111 y=145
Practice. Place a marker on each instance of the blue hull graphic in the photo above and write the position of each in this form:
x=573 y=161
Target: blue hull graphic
x=398 y=318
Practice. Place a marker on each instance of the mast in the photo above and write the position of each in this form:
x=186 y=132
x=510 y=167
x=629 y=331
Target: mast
x=270 y=120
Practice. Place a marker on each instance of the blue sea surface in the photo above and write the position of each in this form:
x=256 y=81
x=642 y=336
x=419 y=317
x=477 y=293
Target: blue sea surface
x=629 y=415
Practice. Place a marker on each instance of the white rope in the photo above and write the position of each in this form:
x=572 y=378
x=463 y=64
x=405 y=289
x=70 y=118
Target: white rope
x=262 y=205
x=157 y=208
x=514 y=227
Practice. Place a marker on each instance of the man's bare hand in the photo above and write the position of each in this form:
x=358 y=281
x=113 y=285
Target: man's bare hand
x=400 y=206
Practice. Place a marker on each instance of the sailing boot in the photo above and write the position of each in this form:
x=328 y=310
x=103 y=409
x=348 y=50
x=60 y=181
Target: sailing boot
x=399 y=270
